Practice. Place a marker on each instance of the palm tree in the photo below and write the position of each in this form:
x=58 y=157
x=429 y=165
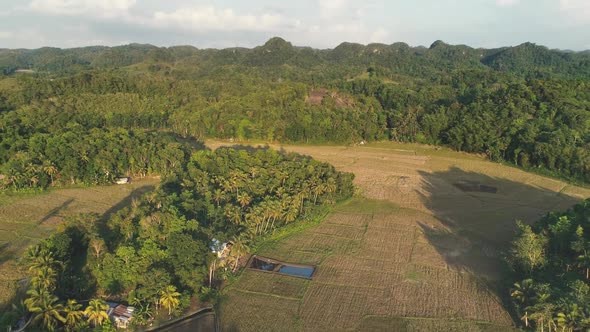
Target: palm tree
x=522 y=293
x=240 y=247
x=41 y=258
x=218 y=196
x=50 y=169
x=290 y=214
x=96 y=312
x=169 y=298
x=143 y=315
x=318 y=190
x=45 y=278
x=31 y=172
x=234 y=214
x=244 y=199
x=331 y=185
x=143 y=312
x=542 y=312
x=570 y=318
x=73 y=314
x=45 y=309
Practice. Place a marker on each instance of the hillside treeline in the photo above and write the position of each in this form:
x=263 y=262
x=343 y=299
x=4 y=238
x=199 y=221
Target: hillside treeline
x=552 y=264
x=525 y=105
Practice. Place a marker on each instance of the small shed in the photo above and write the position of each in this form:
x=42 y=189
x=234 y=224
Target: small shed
x=120 y=314
x=122 y=180
x=220 y=249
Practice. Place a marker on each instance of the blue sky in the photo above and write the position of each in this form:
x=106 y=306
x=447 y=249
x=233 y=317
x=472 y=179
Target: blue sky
x=561 y=24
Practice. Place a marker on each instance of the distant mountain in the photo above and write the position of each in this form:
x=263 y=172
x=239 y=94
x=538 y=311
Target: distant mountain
x=528 y=56
x=524 y=59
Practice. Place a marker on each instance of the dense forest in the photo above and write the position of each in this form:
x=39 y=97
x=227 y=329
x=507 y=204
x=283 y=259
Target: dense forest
x=526 y=105
x=157 y=254
x=552 y=264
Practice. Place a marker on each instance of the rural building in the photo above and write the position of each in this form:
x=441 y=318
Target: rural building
x=122 y=180
x=220 y=249
x=120 y=314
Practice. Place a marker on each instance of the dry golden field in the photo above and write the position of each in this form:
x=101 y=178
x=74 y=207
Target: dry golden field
x=419 y=249
x=27 y=218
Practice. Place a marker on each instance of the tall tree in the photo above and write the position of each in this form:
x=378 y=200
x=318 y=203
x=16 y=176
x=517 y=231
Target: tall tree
x=96 y=312
x=169 y=298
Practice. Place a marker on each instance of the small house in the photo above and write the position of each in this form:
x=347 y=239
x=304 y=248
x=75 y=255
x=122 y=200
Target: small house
x=120 y=315
x=220 y=249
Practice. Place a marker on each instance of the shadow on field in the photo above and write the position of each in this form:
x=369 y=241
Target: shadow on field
x=6 y=252
x=54 y=212
x=479 y=213
x=125 y=202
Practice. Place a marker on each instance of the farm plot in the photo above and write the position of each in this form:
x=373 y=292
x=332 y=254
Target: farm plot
x=381 y=277
x=417 y=252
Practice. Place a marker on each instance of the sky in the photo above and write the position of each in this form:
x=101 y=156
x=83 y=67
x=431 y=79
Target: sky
x=563 y=24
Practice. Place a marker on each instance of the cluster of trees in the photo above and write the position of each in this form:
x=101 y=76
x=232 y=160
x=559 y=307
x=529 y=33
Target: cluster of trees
x=552 y=264
x=87 y=139
x=229 y=195
x=531 y=123
x=157 y=253
x=94 y=156
x=48 y=304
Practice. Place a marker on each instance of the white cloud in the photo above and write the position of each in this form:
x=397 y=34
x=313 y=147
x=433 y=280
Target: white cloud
x=576 y=10
x=211 y=18
x=332 y=8
x=331 y=35
x=101 y=8
x=379 y=36
x=6 y=34
x=507 y=3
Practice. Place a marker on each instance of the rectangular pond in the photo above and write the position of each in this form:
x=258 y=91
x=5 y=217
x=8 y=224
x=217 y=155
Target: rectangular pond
x=264 y=264
x=305 y=272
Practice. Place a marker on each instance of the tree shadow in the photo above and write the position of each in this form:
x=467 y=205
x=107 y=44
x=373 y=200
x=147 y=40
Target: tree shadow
x=55 y=211
x=137 y=193
x=193 y=142
x=247 y=148
x=478 y=213
x=6 y=252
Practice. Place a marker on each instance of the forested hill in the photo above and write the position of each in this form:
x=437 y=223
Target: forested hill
x=525 y=59
x=526 y=105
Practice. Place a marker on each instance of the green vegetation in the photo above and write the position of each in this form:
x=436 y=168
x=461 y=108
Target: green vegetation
x=89 y=115
x=552 y=264
x=526 y=105
x=156 y=253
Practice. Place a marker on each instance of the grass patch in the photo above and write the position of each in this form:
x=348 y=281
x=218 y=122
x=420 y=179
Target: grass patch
x=413 y=275
x=375 y=323
x=362 y=205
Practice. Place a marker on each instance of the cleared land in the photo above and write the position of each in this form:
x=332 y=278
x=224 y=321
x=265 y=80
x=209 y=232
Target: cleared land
x=27 y=218
x=417 y=252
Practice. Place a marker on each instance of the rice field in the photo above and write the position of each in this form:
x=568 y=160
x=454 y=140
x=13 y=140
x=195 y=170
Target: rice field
x=413 y=252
